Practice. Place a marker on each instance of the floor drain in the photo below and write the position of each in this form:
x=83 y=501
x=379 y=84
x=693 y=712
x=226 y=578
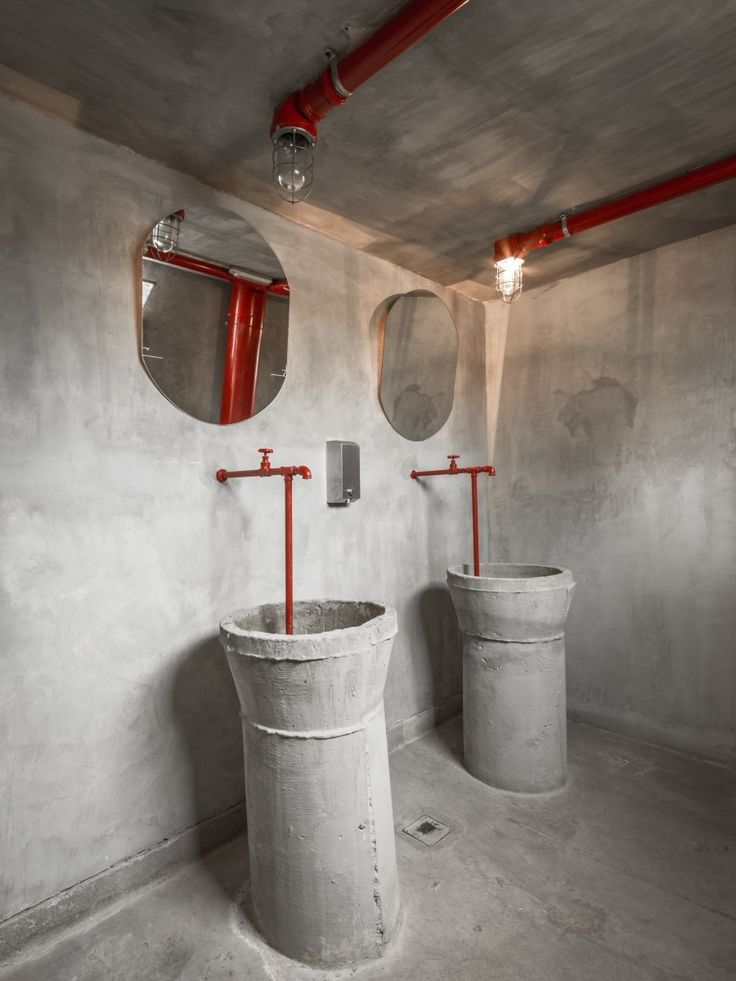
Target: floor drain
x=427 y=829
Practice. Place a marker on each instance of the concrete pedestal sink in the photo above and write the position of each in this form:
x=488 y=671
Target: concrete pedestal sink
x=512 y=619
x=318 y=797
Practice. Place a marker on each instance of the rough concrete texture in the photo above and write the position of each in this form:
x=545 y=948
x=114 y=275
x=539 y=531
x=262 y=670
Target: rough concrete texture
x=85 y=898
x=616 y=456
x=324 y=886
x=629 y=873
x=503 y=117
x=514 y=718
x=120 y=551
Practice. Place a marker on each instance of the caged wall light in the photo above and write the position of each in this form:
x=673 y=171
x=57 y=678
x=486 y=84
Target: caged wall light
x=509 y=277
x=293 y=160
x=509 y=252
x=294 y=126
x=164 y=237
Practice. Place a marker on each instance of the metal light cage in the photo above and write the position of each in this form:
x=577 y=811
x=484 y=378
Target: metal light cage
x=164 y=238
x=509 y=278
x=293 y=164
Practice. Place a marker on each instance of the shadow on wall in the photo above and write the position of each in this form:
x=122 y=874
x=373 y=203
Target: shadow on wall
x=207 y=711
x=442 y=641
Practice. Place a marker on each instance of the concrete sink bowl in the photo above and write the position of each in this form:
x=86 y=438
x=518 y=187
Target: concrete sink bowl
x=320 y=822
x=514 y=706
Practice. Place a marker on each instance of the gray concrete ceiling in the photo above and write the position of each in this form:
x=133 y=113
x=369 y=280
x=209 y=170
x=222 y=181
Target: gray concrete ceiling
x=508 y=114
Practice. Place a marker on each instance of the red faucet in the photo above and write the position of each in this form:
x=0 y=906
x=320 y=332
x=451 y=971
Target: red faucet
x=288 y=473
x=473 y=471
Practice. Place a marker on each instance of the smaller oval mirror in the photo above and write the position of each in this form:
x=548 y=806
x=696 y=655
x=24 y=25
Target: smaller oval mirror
x=418 y=364
x=215 y=320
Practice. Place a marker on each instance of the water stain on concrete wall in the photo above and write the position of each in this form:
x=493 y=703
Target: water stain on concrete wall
x=603 y=414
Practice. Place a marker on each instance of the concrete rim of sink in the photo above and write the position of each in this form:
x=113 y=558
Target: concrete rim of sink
x=379 y=624
x=521 y=577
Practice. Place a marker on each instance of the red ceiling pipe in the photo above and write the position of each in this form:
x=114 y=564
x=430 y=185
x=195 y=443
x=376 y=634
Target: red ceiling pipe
x=182 y=260
x=306 y=107
x=521 y=243
x=473 y=471
x=244 y=332
x=288 y=473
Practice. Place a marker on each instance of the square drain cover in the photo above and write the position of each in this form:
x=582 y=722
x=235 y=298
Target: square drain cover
x=427 y=829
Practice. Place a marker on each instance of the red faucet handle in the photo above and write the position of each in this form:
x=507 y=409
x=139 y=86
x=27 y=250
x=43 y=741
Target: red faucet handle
x=453 y=456
x=265 y=462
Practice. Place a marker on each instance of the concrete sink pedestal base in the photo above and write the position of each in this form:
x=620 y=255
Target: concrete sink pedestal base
x=318 y=798
x=514 y=706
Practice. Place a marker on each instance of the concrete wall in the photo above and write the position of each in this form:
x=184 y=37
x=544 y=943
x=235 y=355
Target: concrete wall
x=120 y=552
x=616 y=456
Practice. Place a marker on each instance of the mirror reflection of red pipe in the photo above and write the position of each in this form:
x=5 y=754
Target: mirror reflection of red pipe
x=244 y=331
x=473 y=471
x=288 y=473
x=193 y=263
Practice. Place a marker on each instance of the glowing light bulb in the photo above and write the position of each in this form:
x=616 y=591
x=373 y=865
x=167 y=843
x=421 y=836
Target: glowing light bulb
x=509 y=278
x=292 y=164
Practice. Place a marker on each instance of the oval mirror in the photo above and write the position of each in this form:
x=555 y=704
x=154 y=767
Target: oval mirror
x=215 y=319
x=418 y=363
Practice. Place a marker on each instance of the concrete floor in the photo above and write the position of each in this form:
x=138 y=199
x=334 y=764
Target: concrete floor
x=628 y=873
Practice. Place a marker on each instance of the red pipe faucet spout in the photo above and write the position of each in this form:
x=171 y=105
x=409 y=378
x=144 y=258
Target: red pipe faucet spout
x=288 y=473
x=473 y=471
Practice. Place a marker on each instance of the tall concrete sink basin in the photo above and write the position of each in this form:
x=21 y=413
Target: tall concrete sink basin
x=514 y=705
x=324 y=883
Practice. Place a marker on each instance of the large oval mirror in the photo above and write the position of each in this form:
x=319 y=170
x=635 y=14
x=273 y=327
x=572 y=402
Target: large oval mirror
x=418 y=363
x=215 y=315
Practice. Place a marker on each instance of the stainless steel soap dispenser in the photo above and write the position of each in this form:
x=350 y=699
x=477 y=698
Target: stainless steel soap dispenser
x=343 y=472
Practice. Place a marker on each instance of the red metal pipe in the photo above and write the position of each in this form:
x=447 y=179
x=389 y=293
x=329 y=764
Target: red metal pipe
x=288 y=554
x=244 y=331
x=205 y=267
x=288 y=473
x=306 y=107
x=521 y=243
x=476 y=545
x=473 y=471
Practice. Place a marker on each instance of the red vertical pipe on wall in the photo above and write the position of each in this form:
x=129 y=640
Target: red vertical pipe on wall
x=288 y=554
x=245 y=327
x=476 y=542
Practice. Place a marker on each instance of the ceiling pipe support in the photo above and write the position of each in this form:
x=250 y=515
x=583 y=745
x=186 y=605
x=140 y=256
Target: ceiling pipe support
x=302 y=110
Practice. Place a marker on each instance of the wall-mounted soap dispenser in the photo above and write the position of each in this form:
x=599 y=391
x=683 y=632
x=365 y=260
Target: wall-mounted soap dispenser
x=343 y=472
